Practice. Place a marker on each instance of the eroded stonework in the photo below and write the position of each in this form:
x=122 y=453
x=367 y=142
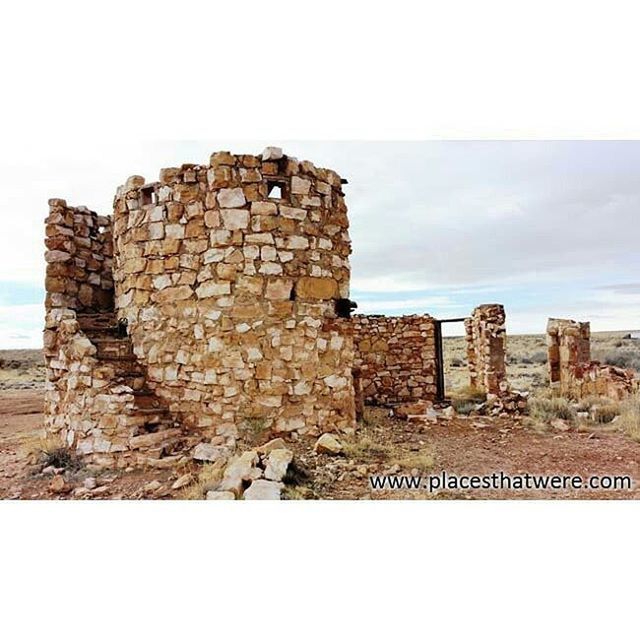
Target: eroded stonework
x=224 y=309
x=486 y=349
x=571 y=370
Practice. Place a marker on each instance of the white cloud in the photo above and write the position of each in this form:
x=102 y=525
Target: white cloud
x=447 y=217
x=21 y=326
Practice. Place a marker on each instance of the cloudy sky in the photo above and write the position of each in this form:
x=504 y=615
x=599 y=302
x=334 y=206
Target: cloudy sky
x=546 y=228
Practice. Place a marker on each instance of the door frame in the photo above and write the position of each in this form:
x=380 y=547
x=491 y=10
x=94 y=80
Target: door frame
x=440 y=386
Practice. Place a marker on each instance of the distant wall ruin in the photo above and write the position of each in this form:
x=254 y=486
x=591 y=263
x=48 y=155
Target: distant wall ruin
x=398 y=358
x=572 y=372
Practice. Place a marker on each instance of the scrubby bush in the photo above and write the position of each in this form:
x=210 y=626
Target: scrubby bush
x=629 y=420
x=547 y=409
x=624 y=359
x=462 y=406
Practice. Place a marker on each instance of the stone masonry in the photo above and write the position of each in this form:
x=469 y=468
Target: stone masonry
x=486 y=349
x=227 y=277
x=571 y=370
x=216 y=299
x=396 y=358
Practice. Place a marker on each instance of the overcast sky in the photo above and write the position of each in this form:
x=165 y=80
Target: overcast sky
x=545 y=228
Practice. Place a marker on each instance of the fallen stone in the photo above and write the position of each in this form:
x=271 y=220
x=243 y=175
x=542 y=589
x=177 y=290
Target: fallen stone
x=206 y=452
x=240 y=470
x=152 y=486
x=448 y=413
x=58 y=485
x=264 y=490
x=328 y=444
x=277 y=464
x=412 y=409
x=182 y=481
x=272 y=445
x=220 y=495
x=89 y=483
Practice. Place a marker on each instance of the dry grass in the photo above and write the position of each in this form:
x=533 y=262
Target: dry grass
x=365 y=449
x=465 y=399
x=208 y=477
x=254 y=431
x=21 y=369
x=422 y=461
x=629 y=420
x=49 y=451
x=527 y=359
x=547 y=409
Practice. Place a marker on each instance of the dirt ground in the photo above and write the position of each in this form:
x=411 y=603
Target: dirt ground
x=463 y=445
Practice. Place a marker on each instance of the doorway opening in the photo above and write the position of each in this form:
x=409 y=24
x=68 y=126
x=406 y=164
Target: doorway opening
x=452 y=365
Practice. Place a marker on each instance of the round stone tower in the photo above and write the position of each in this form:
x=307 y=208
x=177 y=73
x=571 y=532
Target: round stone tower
x=231 y=277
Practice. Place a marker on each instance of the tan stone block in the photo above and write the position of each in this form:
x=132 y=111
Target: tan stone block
x=212 y=288
x=316 y=288
x=252 y=192
x=195 y=228
x=279 y=289
x=300 y=185
x=226 y=271
x=175 y=211
x=156 y=231
x=212 y=218
x=233 y=219
x=172 y=294
x=231 y=198
x=250 y=175
x=222 y=158
x=292 y=213
x=264 y=208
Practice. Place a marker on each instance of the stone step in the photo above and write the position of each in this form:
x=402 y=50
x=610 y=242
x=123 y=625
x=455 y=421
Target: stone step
x=146 y=399
x=154 y=417
x=149 y=413
x=97 y=321
x=110 y=348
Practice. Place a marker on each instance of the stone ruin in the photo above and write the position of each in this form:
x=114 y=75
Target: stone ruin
x=572 y=372
x=207 y=301
x=217 y=299
x=395 y=358
x=487 y=349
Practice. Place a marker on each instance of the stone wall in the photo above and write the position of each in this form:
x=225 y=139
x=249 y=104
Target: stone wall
x=79 y=259
x=572 y=372
x=486 y=349
x=95 y=406
x=227 y=274
x=395 y=358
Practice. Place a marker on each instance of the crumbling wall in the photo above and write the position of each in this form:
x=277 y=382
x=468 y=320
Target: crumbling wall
x=79 y=259
x=486 y=349
x=395 y=358
x=571 y=370
x=90 y=407
x=228 y=275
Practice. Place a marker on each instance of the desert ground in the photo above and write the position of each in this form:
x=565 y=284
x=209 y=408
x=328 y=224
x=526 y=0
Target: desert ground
x=591 y=437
